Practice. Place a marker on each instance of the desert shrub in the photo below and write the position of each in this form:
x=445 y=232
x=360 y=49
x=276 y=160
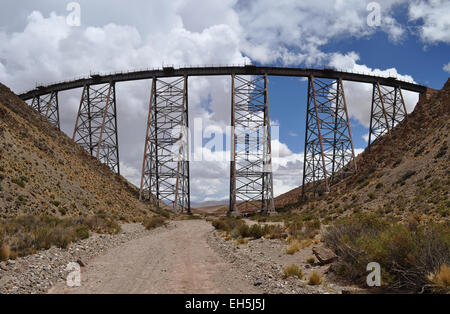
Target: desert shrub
x=244 y=230
x=4 y=252
x=237 y=227
x=256 y=231
x=219 y=224
x=314 y=279
x=293 y=247
x=26 y=235
x=162 y=212
x=408 y=174
x=240 y=241
x=407 y=253
x=397 y=162
x=419 y=151
x=234 y=234
x=154 y=222
x=82 y=232
x=19 y=182
x=441 y=280
x=274 y=232
x=311 y=260
x=102 y=224
x=227 y=223
x=56 y=203
x=442 y=151
x=295 y=227
x=293 y=270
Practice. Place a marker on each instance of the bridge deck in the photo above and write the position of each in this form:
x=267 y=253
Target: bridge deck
x=218 y=71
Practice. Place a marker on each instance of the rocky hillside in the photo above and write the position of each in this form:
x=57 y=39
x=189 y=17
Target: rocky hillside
x=402 y=174
x=42 y=171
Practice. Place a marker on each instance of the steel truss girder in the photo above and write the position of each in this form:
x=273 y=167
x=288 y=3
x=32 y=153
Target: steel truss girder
x=387 y=110
x=96 y=124
x=165 y=168
x=329 y=154
x=47 y=105
x=251 y=180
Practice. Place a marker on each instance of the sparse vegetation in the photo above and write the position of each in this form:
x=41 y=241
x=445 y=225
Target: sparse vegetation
x=19 y=182
x=4 y=252
x=441 y=280
x=293 y=247
x=26 y=235
x=311 y=260
x=293 y=271
x=406 y=176
x=154 y=222
x=240 y=241
x=397 y=162
x=406 y=252
x=314 y=279
x=442 y=151
x=256 y=231
x=237 y=227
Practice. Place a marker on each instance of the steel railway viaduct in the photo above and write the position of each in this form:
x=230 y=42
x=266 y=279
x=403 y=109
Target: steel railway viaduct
x=328 y=156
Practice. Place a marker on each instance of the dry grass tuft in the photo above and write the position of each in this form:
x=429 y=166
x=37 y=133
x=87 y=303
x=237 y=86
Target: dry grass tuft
x=241 y=241
x=4 y=252
x=314 y=279
x=311 y=260
x=293 y=247
x=293 y=270
x=442 y=279
x=154 y=222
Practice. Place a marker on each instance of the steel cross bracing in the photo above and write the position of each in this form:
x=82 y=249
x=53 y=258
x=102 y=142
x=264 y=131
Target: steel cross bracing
x=165 y=169
x=387 y=110
x=329 y=153
x=251 y=182
x=47 y=105
x=96 y=124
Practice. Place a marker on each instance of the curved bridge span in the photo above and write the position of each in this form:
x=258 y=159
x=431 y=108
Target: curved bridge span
x=328 y=156
x=218 y=71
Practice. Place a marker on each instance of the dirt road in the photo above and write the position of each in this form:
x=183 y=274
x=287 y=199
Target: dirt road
x=176 y=259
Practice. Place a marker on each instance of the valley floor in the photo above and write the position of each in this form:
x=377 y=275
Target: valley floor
x=176 y=259
x=187 y=256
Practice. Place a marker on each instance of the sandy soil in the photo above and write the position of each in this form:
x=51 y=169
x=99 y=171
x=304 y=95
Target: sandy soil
x=175 y=260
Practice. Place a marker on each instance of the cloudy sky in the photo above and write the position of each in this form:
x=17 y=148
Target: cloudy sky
x=407 y=39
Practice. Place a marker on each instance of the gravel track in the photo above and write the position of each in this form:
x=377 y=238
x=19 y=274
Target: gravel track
x=177 y=259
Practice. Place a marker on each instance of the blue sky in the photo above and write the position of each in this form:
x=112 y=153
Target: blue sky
x=39 y=44
x=410 y=56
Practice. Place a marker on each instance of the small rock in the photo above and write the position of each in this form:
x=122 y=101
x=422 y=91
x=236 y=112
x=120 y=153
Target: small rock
x=81 y=263
x=257 y=283
x=324 y=255
x=10 y=262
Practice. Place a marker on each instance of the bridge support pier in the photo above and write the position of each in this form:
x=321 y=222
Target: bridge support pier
x=329 y=153
x=47 y=105
x=251 y=180
x=387 y=110
x=165 y=168
x=96 y=124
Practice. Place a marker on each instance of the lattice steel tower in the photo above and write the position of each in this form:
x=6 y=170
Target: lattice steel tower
x=251 y=181
x=96 y=124
x=165 y=169
x=47 y=105
x=388 y=109
x=329 y=154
